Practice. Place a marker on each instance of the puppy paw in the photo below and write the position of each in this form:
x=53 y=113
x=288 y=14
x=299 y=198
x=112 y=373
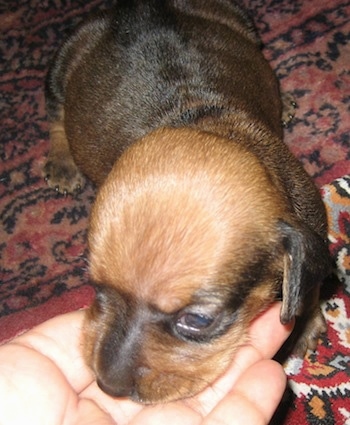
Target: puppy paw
x=308 y=340
x=289 y=108
x=63 y=175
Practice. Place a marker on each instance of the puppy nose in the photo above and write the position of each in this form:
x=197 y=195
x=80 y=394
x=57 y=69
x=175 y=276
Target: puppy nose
x=120 y=389
x=122 y=385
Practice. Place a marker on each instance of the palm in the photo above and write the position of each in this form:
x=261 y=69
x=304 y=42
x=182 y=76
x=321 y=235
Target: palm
x=44 y=381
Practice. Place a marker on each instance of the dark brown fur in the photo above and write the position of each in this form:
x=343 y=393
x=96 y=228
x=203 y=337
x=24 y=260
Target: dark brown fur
x=203 y=217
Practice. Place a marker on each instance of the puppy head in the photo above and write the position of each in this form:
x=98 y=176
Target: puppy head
x=186 y=249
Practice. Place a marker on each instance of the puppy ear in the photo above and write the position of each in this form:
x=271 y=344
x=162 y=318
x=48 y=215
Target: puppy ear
x=306 y=263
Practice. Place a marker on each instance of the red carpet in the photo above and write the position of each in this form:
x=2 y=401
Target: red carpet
x=43 y=256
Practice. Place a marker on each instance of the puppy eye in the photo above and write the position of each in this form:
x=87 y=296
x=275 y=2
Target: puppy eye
x=192 y=325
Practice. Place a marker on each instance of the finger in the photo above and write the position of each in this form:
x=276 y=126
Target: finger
x=90 y=414
x=266 y=335
x=33 y=382
x=32 y=388
x=59 y=339
x=121 y=410
x=254 y=398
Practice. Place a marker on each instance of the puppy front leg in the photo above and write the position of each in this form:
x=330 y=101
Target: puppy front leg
x=309 y=326
x=61 y=172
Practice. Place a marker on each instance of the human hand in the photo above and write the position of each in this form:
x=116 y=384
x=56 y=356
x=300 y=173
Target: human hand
x=44 y=381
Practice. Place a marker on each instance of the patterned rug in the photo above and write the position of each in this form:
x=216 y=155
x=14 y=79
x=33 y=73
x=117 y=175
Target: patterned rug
x=43 y=257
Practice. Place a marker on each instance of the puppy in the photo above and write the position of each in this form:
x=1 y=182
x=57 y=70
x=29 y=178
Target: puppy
x=203 y=217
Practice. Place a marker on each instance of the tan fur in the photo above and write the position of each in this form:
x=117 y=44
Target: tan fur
x=185 y=224
x=203 y=217
x=170 y=207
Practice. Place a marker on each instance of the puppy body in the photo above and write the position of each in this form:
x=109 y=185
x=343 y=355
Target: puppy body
x=203 y=217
